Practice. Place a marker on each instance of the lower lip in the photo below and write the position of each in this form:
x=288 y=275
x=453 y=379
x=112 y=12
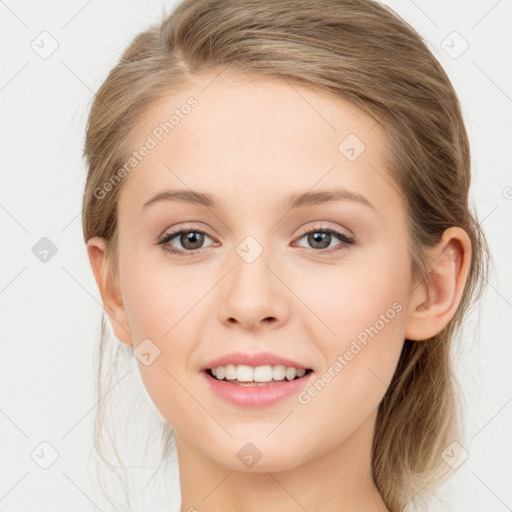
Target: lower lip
x=256 y=396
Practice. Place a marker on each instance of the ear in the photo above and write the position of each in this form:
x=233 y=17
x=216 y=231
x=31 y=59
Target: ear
x=435 y=301
x=109 y=289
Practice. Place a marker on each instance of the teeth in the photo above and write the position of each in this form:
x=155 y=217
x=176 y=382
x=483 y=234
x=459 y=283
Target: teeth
x=279 y=372
x=291 y=373
x=244 y=373
x=263 y=374
x=230 y=371
x=258 y=374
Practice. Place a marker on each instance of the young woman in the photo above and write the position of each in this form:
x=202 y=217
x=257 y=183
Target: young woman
x=276 y=214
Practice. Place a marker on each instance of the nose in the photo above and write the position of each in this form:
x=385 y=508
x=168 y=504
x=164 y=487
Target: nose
x=253 y=297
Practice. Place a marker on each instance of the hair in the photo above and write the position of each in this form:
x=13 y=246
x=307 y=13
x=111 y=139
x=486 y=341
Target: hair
x=360 y=51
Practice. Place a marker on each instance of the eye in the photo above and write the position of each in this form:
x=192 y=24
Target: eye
x=191 y=240
x=321 y=238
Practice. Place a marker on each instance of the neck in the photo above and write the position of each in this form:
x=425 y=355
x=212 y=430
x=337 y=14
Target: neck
x=339 y=480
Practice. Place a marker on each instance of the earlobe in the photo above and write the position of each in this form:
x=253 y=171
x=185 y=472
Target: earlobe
x=436 y=300
x=109 y=289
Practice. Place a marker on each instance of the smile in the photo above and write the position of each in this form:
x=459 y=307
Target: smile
x=245 y=375
x=256 y=387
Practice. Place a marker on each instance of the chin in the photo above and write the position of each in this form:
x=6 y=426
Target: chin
x=260 y=454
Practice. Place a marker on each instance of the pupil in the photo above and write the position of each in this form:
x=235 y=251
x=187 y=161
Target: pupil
x=192 y=237
x=319 y=238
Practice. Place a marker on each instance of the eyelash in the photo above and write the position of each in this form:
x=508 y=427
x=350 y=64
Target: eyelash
x=345 y=240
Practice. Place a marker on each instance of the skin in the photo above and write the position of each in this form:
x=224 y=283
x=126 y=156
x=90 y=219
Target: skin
x=250 y=143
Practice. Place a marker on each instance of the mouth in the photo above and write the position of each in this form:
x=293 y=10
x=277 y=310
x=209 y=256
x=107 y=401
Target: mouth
x=256 y=386
x=261 y=376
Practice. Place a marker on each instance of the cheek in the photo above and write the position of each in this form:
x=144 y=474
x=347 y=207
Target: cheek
x=354 y=295
x=156 y=297
x=359 y=363
x=364 y=307
x=161 y=310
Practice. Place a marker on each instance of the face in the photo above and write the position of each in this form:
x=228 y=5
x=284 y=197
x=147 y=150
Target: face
x=299 y=258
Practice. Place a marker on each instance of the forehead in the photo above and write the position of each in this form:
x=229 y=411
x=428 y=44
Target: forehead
x=258 y=137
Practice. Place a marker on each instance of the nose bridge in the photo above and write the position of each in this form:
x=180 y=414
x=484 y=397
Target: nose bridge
x=252 y=295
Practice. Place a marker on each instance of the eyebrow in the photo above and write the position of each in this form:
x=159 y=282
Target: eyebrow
x=292 y=201
x=324 y=196
x=183 y=196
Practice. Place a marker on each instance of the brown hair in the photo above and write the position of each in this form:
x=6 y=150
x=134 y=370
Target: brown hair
x=363 y=52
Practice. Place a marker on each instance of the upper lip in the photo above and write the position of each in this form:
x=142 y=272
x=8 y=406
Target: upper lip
x=259 y=359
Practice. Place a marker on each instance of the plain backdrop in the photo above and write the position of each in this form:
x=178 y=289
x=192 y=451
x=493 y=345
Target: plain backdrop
x=50 y=310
